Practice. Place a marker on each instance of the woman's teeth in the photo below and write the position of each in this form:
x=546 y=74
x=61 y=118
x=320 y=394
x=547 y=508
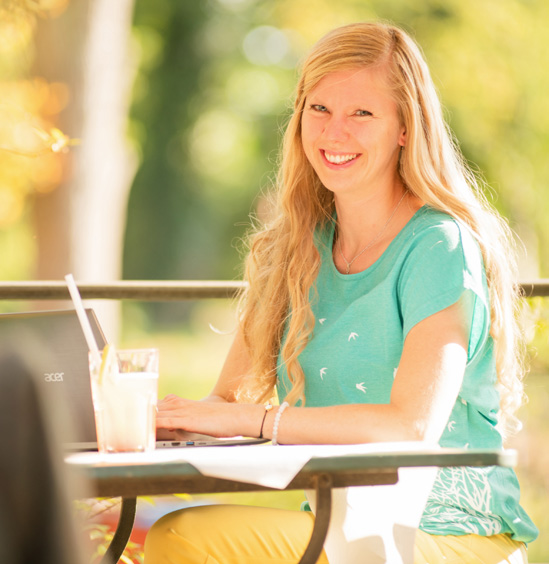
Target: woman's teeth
x=339 y=159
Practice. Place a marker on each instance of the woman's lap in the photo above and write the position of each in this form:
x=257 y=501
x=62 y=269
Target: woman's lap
x=229 y=534
x=472 y=549
x=235 y=534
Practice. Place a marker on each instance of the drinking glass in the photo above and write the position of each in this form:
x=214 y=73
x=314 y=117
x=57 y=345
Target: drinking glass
x=124 y=391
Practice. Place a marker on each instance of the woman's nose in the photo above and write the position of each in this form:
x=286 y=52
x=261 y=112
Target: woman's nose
x=336 y=129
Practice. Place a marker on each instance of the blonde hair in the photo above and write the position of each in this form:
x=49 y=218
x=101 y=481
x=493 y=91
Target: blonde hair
x=283 y=261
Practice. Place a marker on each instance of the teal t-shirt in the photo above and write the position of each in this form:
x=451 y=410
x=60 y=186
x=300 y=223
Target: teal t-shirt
x=361 y=322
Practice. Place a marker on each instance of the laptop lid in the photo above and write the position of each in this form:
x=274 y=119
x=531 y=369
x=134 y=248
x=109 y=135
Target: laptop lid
x=54 y=350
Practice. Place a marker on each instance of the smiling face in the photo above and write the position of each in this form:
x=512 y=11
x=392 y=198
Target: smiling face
x=351 y=132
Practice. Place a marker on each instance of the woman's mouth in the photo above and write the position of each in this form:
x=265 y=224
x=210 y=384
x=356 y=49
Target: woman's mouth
x=339 y=158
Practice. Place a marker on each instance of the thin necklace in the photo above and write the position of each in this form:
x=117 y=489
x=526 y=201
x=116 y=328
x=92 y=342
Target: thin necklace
x=372 y=241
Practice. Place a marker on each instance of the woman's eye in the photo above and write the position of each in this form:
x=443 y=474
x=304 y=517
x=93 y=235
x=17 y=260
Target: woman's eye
x=361 y=113
x=319 y=108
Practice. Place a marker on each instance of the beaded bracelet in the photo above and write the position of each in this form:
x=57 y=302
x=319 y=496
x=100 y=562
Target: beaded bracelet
x=277 y=421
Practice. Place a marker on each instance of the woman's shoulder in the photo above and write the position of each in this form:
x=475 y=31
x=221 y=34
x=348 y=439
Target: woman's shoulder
x=432 y=226
x=443 y=243
x=429 y=218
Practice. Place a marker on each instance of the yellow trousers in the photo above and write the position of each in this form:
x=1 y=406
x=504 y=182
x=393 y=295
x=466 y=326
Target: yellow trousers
x=236 y=534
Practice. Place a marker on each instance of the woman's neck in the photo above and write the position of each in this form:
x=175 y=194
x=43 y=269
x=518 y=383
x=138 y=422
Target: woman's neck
x=359 y=221
x=366 y=228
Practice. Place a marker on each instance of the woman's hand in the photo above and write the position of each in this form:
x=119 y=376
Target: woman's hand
x=209 y=417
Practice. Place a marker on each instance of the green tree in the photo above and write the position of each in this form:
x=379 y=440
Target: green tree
x=165 y=215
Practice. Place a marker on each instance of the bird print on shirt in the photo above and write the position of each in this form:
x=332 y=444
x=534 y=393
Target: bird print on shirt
x=351 y=336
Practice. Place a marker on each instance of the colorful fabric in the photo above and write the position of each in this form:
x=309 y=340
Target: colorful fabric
x=361 y=323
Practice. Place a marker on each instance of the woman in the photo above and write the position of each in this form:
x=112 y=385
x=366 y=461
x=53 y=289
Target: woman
x=381 y=305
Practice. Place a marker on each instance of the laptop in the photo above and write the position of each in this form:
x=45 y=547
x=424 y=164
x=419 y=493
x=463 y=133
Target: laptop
x=53 y=348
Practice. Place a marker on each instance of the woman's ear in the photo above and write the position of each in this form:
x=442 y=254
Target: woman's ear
x=402 y=138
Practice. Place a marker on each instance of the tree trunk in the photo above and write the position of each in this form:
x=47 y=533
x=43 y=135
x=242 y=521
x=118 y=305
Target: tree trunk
x=80 y=224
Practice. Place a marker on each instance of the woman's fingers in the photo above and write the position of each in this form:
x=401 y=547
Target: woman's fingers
x=171 y=402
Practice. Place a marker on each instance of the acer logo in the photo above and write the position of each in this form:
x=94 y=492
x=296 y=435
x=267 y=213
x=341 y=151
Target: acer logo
x=54 y=376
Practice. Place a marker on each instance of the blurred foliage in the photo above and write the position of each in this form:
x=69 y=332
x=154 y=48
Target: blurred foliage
x=214 y=89
x=31 y=147
x=212 y=96
x=97 y=534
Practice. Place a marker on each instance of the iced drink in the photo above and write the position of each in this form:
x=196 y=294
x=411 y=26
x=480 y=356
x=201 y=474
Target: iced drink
x=124 y=391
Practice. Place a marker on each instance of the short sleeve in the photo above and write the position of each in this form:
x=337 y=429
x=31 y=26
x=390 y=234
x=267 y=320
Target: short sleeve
x=443 y=262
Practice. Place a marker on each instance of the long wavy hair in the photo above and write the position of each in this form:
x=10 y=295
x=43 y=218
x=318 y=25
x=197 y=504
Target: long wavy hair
x=283 y=261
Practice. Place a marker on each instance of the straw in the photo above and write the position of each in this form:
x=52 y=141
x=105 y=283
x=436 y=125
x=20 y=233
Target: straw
x=84 y=321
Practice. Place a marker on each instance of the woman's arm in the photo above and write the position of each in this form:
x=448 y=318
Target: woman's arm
x=425 y=389
x=426 y=386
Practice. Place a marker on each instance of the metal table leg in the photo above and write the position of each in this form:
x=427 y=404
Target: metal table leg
x=322 y=519
x=123 y=531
